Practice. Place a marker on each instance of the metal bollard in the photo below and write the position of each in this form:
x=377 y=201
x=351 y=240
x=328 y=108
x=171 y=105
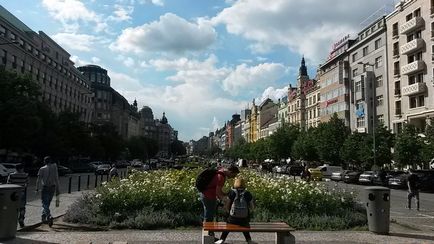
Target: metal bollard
x=79 y=182
x=88 y=179
x=96 y=181
x=69 y=185
x=101 y=180
x=107 y=179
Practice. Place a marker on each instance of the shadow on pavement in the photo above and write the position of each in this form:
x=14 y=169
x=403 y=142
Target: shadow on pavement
x=414 y=236
x=27 y=241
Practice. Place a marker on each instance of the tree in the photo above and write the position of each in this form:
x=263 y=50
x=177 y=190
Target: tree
x=304 y=147
x=408 y=147
x=177 y=148
x=355 y=150
x=330 y=138
x=384 y=140
x=109 y=139
x=282 y=140
x=428 y=144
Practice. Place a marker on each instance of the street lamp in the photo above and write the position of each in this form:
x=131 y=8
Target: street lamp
x=373 y=112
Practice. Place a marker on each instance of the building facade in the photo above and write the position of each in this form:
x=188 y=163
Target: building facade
x=335 y=85
x=369 y=78
x=24 y=51
x=282 y=113
x=410 y=55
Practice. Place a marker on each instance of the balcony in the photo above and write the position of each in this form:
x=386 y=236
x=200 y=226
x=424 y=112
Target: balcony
x=413 y=67
x=411 y=25
x=412 y=46
x=413 y=89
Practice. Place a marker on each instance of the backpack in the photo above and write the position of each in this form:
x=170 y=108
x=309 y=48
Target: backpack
x=204 y=178
x=239 y=207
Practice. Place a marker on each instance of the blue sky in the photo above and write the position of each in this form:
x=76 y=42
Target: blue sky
x=198 y=61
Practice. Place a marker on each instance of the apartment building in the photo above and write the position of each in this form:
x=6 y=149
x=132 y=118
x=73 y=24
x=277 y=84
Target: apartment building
x=282 y=115
x=312 y=103
x=335 y=85
x=26 y=52
x=410 y=35
x=369 y=78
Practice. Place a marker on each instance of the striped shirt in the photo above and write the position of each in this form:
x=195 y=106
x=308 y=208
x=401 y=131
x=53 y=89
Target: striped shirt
x=18 y=178
x=48 y=176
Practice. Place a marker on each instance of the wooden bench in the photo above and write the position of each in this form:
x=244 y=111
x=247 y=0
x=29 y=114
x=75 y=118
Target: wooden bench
x=282 y=230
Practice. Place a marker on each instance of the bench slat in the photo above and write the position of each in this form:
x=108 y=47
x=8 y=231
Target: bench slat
x=254 y=227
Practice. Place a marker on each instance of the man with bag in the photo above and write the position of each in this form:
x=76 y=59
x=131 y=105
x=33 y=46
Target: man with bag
x=210 y=183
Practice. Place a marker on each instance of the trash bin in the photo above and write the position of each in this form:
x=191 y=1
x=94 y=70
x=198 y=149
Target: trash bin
x=377 y=200
x=9 y=207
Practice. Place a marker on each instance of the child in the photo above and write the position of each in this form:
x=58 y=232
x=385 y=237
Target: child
x=20 y=178
x=239 y=206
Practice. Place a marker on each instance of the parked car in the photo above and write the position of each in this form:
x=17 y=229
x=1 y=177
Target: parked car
x=10 y=167
x=366 y=177
x=294 y=170
x=352 y=177
x=382 y=177
x=103 y=169
x=426 y=180
x=399 y=181
x=3 y=174
x=327 y=170
x=338 y=176
x=315 y=174
x=62 y=170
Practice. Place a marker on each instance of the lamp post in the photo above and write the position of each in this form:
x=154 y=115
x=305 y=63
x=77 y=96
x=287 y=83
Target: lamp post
x=374 y=114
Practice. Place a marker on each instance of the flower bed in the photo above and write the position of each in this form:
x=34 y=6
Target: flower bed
x=168 y=198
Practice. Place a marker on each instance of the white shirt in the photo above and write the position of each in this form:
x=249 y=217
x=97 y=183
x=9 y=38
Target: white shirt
x=48 y=176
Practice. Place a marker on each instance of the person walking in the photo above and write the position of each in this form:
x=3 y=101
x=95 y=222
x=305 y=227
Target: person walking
x=20 y=178
x=413 y=189
x=239 y=206
x=113 y=172
x=48 y=178
x=214 y=181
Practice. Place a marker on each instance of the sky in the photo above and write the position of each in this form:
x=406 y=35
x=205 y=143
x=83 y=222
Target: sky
x=200 y=61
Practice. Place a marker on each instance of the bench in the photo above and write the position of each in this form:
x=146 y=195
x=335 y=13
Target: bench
x=282 y=230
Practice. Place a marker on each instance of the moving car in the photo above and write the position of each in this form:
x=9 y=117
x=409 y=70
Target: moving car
x=382 y=177
x=338 y=176
x=315 y=174
x=327 y=170
x=62 y=170
x=399 y=181
x=366 y=177
x=103 y=169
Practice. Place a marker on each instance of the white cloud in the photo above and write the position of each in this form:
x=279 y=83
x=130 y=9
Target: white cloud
x=95 y=60
x=302 y=26
x=70 y=12
x=155 y=2
x=78 y=62
x=215 y=124
x=192 y=71
x=129 y=62
x=72 y=41
x=244 y=76
x=273 y=93
x=121 y=13
x=170 y=33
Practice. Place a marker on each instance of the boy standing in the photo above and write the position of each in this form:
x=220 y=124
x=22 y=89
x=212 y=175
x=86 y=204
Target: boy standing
x=21 y=178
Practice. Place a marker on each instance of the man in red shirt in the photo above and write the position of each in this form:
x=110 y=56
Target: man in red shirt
x=214 y=191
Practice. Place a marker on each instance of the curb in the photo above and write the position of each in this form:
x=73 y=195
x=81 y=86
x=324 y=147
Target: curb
x=33 y=226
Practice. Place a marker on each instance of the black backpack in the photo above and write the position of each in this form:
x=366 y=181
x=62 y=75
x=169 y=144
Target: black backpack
x=204 y=178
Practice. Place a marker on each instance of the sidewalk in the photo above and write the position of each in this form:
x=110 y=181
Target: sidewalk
x=194 y=236
x=34 y=209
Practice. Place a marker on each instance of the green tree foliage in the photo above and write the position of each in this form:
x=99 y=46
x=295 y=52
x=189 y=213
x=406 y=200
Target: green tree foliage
x=330 y=138
x=282 y=140
x=109 y=140
x=356 y=150
x=428 y=144
x=177 y=148
x=384 y=141
x=305 y=147
x=408 y=147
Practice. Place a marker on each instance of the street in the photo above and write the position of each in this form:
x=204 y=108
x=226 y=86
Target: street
x=423 y=219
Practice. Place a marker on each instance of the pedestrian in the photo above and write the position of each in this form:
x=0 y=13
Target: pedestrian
x=113 y=172
x=20 y=178
x=239 y=207
x=413 y=189
x=48 y=178
x=305 y=174
x=210 y=184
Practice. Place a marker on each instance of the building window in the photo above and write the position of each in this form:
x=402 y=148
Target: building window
x=379 y=62
x=379 y=100
x=398 y=108
x=396 y=71
x=355 y=72
x=354 y=57
x=416 y=13
x=421 y=101
x=377 y=43
x=14 y=61
x=12 y=36
x=395 y=30
x=4 y=55
x=358 y=86
x=396 y=49
x=379 y=81
x=365 y=51
x=361 y=122
x=2 y=31
x=413 y=102
x=380 y=119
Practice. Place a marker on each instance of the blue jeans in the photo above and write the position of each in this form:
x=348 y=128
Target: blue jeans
x=209 y=208
x=46 y=197
x=23 y=202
